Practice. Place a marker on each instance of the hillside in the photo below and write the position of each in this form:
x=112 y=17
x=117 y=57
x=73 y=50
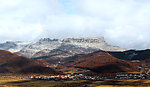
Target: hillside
x=101 y=62
x=12 y=63
x=64 y=51
x=132 y=54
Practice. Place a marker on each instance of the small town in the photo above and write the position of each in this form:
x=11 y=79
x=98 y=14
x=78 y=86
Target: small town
x=73 y=76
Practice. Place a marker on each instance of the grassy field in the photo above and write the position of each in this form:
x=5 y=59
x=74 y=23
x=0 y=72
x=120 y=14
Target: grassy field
x=20 y=82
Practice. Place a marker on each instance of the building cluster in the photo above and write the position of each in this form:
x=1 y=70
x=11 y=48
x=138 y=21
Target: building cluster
x=131 y=76
x=117 y=76
x=85 y=77
x=55 y=77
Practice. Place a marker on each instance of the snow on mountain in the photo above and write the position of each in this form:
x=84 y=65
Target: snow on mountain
x=64 y=51
x=45 y=45
x=7 y=45
x=13 y=46
x=19 y=45
x=93 y=43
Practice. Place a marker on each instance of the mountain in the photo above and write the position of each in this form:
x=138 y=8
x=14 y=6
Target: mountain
x=132 y=54
x=12 y=63
x=45 y=45
x=101 y=62
x=7 y=45
x=98 y=43
x=64 y=51
x=13 y=46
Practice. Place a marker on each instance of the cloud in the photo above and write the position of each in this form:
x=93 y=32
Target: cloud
x=23 y=19
x=71 y=26
x=125 y=22
x=122 y=22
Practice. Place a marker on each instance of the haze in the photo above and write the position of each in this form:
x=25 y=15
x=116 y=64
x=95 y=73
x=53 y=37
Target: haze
x=124 y=23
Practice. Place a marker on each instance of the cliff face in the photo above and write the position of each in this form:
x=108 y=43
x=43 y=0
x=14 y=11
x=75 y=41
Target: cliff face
x=97 y=43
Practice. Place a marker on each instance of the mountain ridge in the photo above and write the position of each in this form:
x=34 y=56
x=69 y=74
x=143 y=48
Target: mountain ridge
x=132 y=54
x=46 y=45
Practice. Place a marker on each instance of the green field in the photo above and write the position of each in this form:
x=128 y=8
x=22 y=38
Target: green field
x=21 y=82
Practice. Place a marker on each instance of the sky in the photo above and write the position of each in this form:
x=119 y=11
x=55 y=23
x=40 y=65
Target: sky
x=124 y=23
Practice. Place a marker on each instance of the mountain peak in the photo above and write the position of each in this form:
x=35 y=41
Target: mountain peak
x=47 y=39
x=84 y=40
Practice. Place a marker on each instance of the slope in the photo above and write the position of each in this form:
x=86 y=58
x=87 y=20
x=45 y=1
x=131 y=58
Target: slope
x=132 y=54
x=12 y=63
x=101 y=62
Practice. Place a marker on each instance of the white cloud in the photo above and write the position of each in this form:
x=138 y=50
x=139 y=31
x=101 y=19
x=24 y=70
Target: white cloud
x=126 y=22
x=122 y=22
x=71 y=26
x=22 y=19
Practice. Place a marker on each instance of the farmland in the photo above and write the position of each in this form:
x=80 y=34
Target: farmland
x=16 y=81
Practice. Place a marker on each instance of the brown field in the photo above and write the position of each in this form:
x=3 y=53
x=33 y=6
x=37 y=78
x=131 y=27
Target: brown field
x=24 y=82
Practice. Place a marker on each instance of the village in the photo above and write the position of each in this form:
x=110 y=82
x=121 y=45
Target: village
x=73 y=76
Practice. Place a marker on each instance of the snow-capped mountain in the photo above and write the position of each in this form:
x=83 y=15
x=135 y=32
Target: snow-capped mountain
x=13 y=46
x=97 y=43
x=45 y=46
x=64 y=51
x=7 y=45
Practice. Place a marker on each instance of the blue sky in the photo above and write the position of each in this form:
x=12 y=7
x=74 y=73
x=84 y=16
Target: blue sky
x=68 y=8
x=123 y=23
